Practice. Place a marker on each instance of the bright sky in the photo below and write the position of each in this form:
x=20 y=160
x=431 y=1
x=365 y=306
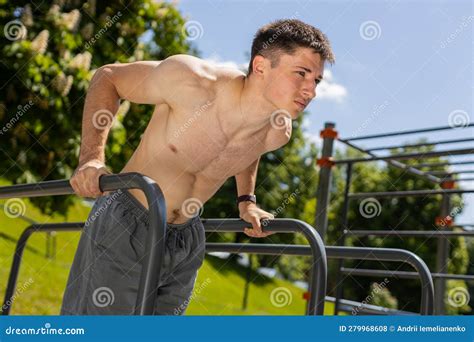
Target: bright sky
x=399 y=64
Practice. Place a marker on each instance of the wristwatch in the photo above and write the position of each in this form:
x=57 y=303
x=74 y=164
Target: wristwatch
x=243 y=198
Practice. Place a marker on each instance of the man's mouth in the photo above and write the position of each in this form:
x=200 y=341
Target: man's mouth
x=301 y=105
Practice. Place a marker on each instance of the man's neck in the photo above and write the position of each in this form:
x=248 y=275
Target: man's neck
x=256 y=111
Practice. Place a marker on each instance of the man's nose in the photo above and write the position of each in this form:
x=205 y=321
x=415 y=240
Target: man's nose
x=309 y=93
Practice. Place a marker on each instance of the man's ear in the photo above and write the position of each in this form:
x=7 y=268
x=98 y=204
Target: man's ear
x=259 y=65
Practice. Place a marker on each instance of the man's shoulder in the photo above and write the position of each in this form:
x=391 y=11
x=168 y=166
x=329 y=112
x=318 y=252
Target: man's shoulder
x=201 y=69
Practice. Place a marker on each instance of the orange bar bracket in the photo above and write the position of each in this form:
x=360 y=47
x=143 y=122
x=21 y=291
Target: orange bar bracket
x=325 y=162
x=330 y=133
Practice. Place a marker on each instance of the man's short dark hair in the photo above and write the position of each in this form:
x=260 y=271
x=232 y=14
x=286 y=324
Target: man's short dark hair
x=285 y=36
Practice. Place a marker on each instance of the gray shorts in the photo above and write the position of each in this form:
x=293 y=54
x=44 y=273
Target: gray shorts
x=105 y=273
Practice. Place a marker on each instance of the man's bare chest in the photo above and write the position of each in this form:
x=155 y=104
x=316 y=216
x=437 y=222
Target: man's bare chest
x=203 y=144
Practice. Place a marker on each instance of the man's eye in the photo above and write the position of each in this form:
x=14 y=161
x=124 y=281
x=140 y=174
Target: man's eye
x=302 y=73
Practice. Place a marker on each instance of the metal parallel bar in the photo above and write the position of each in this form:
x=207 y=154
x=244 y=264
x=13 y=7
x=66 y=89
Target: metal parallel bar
x=403 y=274
x=391 y=134
x=79 y=225
x=442 y=258
x=463 y=179
x=408 y=193
x=151 y=264
x=443 y=173
x=466 y=162
x=389 y=254
x=397 y=164
x=419 y=155
x=338 y=252
x=215 y=225
x=430 y=143
x=462 y=225
x=324 y=183
x=412 y=233
x=345 y=223
x=367 y=309
x=19 y=249
x=318 y=277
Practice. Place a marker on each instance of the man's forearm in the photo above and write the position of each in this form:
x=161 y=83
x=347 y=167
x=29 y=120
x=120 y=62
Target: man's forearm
x=101 y=105
x=246 y=179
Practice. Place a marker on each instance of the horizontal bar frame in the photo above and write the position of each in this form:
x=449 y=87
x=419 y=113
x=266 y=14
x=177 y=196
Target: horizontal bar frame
x=403 y=274
x=316 y=249
x=153 y=255
x=338 y=252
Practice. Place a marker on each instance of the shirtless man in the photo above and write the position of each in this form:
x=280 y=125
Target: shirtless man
x=209 y=124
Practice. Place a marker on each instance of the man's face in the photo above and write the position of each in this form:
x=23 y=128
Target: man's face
x=291 y=85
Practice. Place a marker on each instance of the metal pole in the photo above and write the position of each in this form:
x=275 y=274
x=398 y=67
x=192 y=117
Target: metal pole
x=154 y=249
x=408 y=193
x=412 y=233
x=444 y=173
x=345 y=225
x=424 y=130
x=20 y=247
x=408 y=168
x=338 y=252
x=248 y=274
x=389 y=254
x=442 y=257
x=318 y=276
x=463 y=225
x=466 y=162
x=368 y=309
x=431 y=143
x=403 y=274
x=417 y=155
x=325 y=163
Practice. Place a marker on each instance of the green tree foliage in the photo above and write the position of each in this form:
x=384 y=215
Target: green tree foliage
x=402 y=213
x=49 y=54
